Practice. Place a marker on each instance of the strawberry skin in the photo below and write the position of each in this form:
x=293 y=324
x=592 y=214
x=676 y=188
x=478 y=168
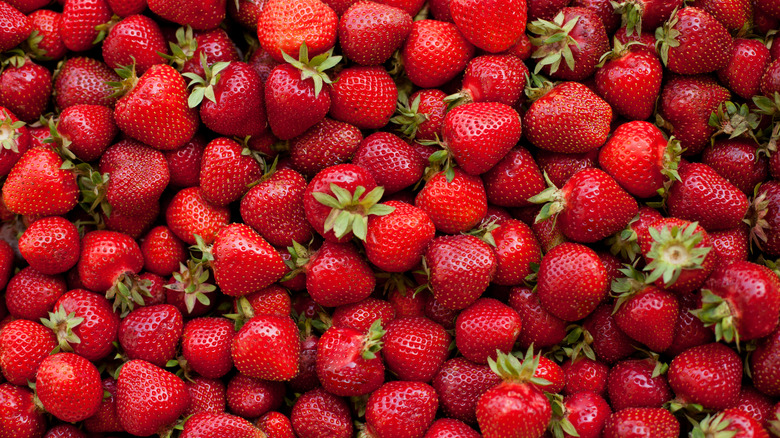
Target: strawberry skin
x=401 y=409
x=454 y=206
x=284 y=25
x=396 y=242
x=649 y=422
x=19 y=415
x=267 y=347
x=237 y=109
x=16 y=27
x=765 y=363
x=219 y=424
x=363 y=96
x=226 y=171
x=199 y=14
x=37 y=185
x=494 y=25
x=69 y=387
x=337 y=275
x=434 y=53
x=709 y=375
x=701 y=44
x=461 y=267
x=631 y=83
x=24 y=345
x=370 y=32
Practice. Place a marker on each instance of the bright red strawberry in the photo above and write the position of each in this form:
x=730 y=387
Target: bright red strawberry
x=154 y=109
x=125 y=8
x=201 y=15
x=396 y=242
x=86 y=131
x=267 y=347
x=363 y=96
x=422 y=114
x=693 y=42
x=80 y=19
x=642 y=422
x=516 y=250
x=738 y=161
x=23 y=303
x=460 y=269
x=493 y=78
x=275 y=425
x=571 y=104
x=184 y=163
x=23 y=346
x=571 y=281
x=746 y=64
x=709 y=375
x=19 y=416
x=206 y=395
x=485 y=327
x=50 y=245
x=540 y=328
x=704 y=196
x=434 y=53
x=734 y=422
x=412 y=7
x=348 y=363
x=336 y=274
x=16 y=27
x=392 y=162
x=251 y=398
x=219 y=424
x=136 y=39
x=586 y=413
x=686 y=105
x=320 y=413
x=493 y=26
x=638 y=383
x=148 y=398
x=589 y=207
x=454 y=204
x=162 y=251
x=151 y=333
x=85 y=324
x=361 y=315
x=37 y=185
x=731 y=244
x=448 y=427
x=226 y=171
x=191 y=48
x=296 y=103
x=189 y=214
x=68 y=387
x=583 y=374
x=325 y=144
x=370 y=32
x=401 y=409
x=284 y=25
x=764 y=361
x=460 y=384
x=83 y=81
x=502 y=185
x=25 y=89
x=415 y=348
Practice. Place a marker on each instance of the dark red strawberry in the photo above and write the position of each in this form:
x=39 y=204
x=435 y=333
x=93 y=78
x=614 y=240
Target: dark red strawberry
x=325 y=144
x=460 y=384
x=642 y=422
x=584 y=413
x=746 y=64
x=393 y=163
x=370 y=32
x=226 y=171
x=125 y=8
x=638 y=383
x=220 y=424
x=184 y=163
x=206 y=395
x=84 y=81
x=16 y=26
x=708 y=375
x=136 y=39
x=738 y=161
x=251 y=398
x=106 y=418
x=320 y=412
x=764 y=362
x=24 y=345
x=540 y=327
x=492 y=78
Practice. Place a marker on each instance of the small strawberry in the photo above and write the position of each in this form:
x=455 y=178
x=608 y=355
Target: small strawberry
x=319 y=412
x=421 y=115
x=370 y=32
x=151 y=333
x=201 y=15
x=708 y=375
x=162 y=251
x=396 y=242
x=502 y=185
x=434 y=53
x=492 y=78
x=363 y=96
x=738 y=161
x=763 y=363
x=642 y=422
x=24 y=345
x=68 y=387
x=393 y=163
x=25 y=89
x=267 y=347
x=226 y=170
x=125 y=8
x=415 y=348
x=326 y=144
x=37 y=185
x=401 y=409
x=184 y=163
x=638 y=383
x=517 y=250
x=348 y=363
x=584 y=413
x=493 y=26
x=461 y=383
x=284 y=25
x=21 y=303
x=454 y=204
x=747 y=62
x=251 y=398
x=692 y=42
x=448 y=427
x=486 y=327
x=189 y=215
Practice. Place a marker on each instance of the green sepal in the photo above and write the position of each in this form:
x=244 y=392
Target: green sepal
x=349 y=211
x=62 y=325
x=313 y=68
x=712 y=427
x=674 y=250
x=631 y=13
x=554 y=42
x=372 y=341
x=127 y=292
x=552 y=198
x=666 y=37
x=509 y=367
x=191 y=280
x=9 y=132
x=734 y=121
x=625 y=287
x=408 y=117
x=715 y=311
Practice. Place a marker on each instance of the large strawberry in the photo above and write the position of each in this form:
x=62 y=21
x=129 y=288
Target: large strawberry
x=226 y=170
x=284 y=25
x=325 y=144
x=486 y=327
x=370 y=32
x=68 y=387
x=25 y=89
x=494 y=26
x=401 y=409
x=24 y=345
x=708 y=375
x=80 y=19
x=82 y=80
x=396 y=242
x=394 y=164
x=455 y=204
x=493 y=78
x=363 y=96
x=267 y=347
x=320 y=412
x=37 y=185
x=415 y=348
x=16 y=27
x=151 y=333
x=198 y=14
x=138 y=39
x=189 y=215
x=692 y=42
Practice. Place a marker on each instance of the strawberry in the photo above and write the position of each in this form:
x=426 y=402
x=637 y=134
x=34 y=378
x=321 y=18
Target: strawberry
x=225 y=171
x=568 y=268
x=645 y=313
x=396 y=242
x=151 y=333
x=68 y=387
x=347 y=361
x=454 y=204
x=50 y=245
x=37 y=185
x=325 y=144
x=401 y=409
x=421 y=115
x=644 y=15
x=571 y=104
x=585 y=37
x=15 y=140
x=284 y=25
x=738 y=162
x=494 y=26
x=640 y=159
x=735 y=290
x=246 y=12
x=125 y=8
x=492 y=78
x=361 y=315
x=336 y=274
x=363 y=96
x=33 y=306
x=448 y=427
x=148 y=398
x=763 y=363
x=251 y=398
x=83 y=81
x=540 y=327
x=642 y=422
x=393 y=163
x=770 y=80
x=590 y=206
x=708 y=375
x=692 y=42
x=319 y=412
x=763 y=219
x=560 y=166
x=686 y=105
x=731 y=244
x=154 y=108
x=206 y=395
x=755 y=404
x=734 y=15
x=638 y=383
x=233 y=104
x=16 y=27
x=434 y=53
x=275 y=425
x=85 y=131
x=307 y=379
x=80 y=19
x=189 y=50
x=460 y=268
x=23 y=346
x=25 y=89
x=502 y=186
x=189 y=214
x=585 y=375
x=136 y=39
x=460 y=384
x=380 y=27
x=516 y=407
x=516 y=250
x=84 y=323
x=184 y=163
x=704 y=196
x=415 y=348
x=162 y=251
x=19 y=414
x=219 y=424
x=267 y=347
x=486 y=327
x=28 y=6
x=731 y=421
x=201 y=15
x=746 y=63
x=585 y=412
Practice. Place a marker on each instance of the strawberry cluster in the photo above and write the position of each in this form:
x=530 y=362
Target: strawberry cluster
x=389 y=218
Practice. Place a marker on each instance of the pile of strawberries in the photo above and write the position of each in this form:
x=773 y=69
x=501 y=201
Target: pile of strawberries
x=390 y=218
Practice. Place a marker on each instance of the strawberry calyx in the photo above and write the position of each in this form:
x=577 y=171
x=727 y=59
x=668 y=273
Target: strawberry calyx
x=671 y=163
x=62 y=324
x=631 y=13
x=485 y=233
x=244 y=312
x=625 y=243
x=560 y=426
x=554 y=201
x=577 y=343
x=756 y=218
x=15 y=58
x=191 y=280
x=734 y=121
x=127 y=291
x=299 y=258
x=716 y=311
x=9 y=132
x=510 y=368
x=618 y=51
x=774 y=425
x=180 y=367
x=313 y=68
x=712 y=427
x=666 y=37
x=32 y=46
x=372 y=341
x=677 y=405
x=537 y=86
x=408 y=117
x=673 y=250
x=105 y=28
x=203 y=87
x=554 y=42
x=460 y=98
x=127 y=80
x=768 y=106
x=626 y=287
x=350 y=211
x=183 y=49
x=770 y=147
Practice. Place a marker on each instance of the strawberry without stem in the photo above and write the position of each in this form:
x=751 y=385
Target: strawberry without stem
x=494 y=26
x=267 y=347
x=401 y=409
x=370 y=32
x=68 y=387
x=23 y=346
x=395 y=242
x=415 y=348
x=199 y=14
x=19 y=414
x=434 y=53
x=284 y=25
x=37 y=185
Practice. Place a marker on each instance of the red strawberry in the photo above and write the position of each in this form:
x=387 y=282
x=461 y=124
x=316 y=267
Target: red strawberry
x=325 y=144
x=23 y=346
x=295 y=102
x=68 y=387
x=738 y=161
x=583 y=375
x=83 y=81
x=392 y=162
x=454 y=204
x=692 y=42
x=37 y=185
x=154 y=109
x=189 y=214
x=251 y=398
x=148 y=398
x=136 y=39
x=763 y=218
x=25 y=89
x=19 y=415
x=708 y=375
x=361 y=315
x=226 y=170
x=494 y=26
x=348 y=363
x=337 y=274
x=21 y=303
x=206 y=395
x=363 y=96
x=502 y=185
x=747 y=62
x=448 y=427
x=275 y=425
x=421 y=115
x=198 y=14
x=734 y=15
x=125 y=8
x=415 y=348
x=572 y=281
x=284 y=25
x=16 y=27
x=246 y=12
x=731 y=244
x=540 y=327
x=516 y=249
x=434 y=53
x=50 y=245
x=493 y=78
x=412 y=7
x=630 y=81
x=642 y=422
x=461 y=267
x=151 y=333
x=319 y=412
x=586 y=413
x=460 y=384
x=396 y=242
x=733 y=422
x=184 y=163
x=219 y=424
x=80 y=19
x=571 y=104
x=15 y=140
x=401 y=409
x=85 y=131
x=190 y=49
x=370 y=32
x=267 y=347
x=638 y=383
x=486 y=327
x=686 y=105
x=764 y=362
x=162 y=251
